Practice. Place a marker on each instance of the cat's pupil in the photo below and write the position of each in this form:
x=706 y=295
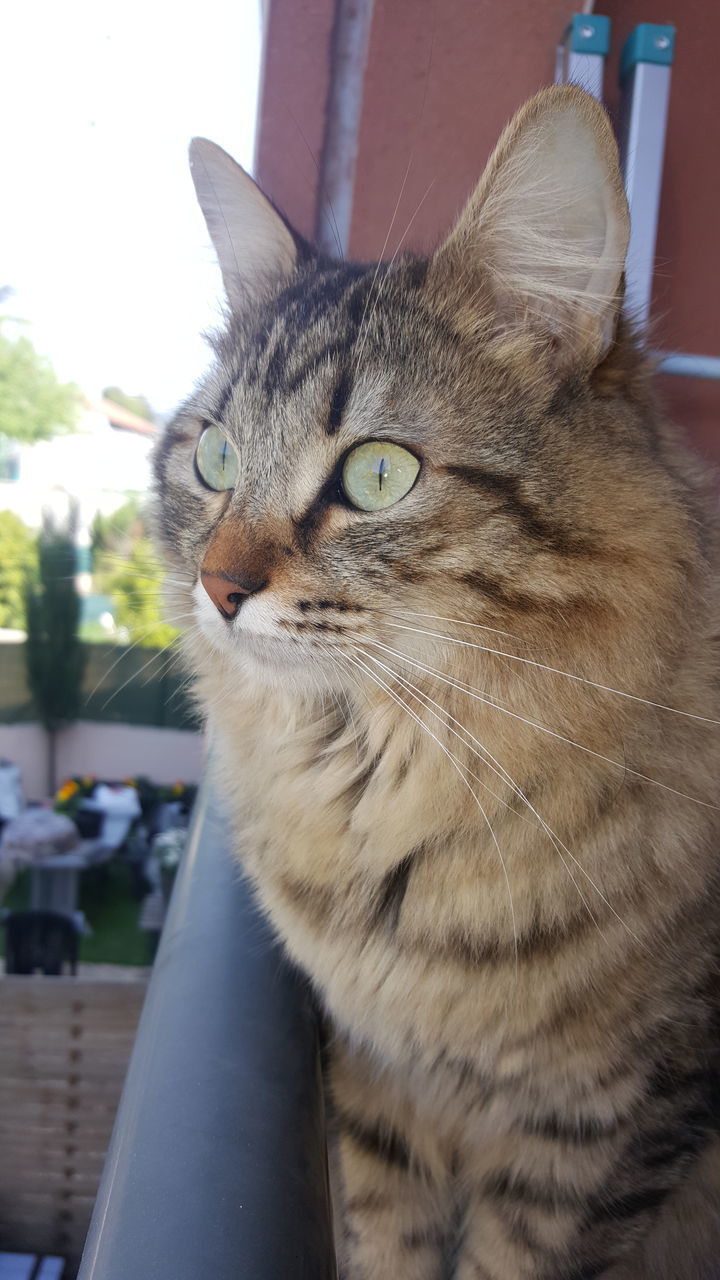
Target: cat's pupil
x=224 y=453
x=381 y=472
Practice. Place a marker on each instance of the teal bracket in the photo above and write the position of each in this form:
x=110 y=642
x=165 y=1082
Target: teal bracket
x=589 y=33
x=649 y=42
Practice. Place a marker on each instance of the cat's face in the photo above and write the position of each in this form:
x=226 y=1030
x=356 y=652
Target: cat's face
x=338 y=466
x=378 y=447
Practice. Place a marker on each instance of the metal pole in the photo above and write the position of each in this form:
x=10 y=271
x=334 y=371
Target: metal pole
x=580 y=57
x=645 y=71
x=353 y=21
x=217 y=1165
x=688 y=366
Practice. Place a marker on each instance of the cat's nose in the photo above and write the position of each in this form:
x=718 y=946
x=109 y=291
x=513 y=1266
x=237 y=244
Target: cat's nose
x=227 y=593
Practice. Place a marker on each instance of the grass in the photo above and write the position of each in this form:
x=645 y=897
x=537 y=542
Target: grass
x=110 y=910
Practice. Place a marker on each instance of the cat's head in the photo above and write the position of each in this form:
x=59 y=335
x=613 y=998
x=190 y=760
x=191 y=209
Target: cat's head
x=450 y=437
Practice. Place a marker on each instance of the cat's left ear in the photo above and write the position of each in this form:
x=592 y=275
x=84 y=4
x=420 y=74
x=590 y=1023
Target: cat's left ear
x=546 y=230
x=255 y=248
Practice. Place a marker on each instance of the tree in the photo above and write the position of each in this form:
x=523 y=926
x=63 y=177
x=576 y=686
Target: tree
x=136 y=589
x=34 y=404
x=18 y=568
x=114 y=535
x=134 y=404
x=126 y=567
x=54 y=654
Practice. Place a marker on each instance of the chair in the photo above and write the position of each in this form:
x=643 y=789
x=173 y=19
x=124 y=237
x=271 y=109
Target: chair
x=41 y=940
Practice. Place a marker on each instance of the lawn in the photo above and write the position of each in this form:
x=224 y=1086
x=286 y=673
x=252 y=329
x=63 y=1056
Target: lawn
x=110 y=910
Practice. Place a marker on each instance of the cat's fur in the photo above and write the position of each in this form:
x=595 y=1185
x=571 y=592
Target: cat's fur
x=520 y=976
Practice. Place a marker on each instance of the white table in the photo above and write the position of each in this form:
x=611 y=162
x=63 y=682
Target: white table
x=54 y=881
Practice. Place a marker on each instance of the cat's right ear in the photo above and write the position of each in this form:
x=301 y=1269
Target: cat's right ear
x=255 y=248
x=541 y=243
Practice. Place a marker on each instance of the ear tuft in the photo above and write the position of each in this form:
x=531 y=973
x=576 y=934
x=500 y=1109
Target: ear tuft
x=547 y=227
x=255 y=249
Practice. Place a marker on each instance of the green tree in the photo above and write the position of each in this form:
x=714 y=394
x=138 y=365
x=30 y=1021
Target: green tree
x=126 y=568
x=136 y=590
x=134 y=404
x=18 y=568
x=54 y=654
x=114 y=535
x=34 y=404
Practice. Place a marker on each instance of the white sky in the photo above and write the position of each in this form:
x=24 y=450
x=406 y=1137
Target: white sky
x=100 y=234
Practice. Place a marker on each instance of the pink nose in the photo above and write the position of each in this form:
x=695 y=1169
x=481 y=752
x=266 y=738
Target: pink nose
x=226 y=593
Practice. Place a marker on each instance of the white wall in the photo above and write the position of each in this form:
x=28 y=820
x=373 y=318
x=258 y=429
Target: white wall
x=97 y=464
x=110 y=751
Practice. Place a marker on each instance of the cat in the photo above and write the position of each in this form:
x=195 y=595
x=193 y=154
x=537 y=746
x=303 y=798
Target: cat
x=453 y=586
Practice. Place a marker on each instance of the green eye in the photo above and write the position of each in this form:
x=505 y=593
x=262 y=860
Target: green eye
x=377 y=474
x=216 y=459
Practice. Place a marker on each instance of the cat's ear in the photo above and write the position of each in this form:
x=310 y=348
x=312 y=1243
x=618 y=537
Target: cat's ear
x=547 y=227
x=255 y=248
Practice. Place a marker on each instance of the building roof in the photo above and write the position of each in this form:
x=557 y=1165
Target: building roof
x=121 y=418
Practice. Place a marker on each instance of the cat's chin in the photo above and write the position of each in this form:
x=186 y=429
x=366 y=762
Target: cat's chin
x=280 y=663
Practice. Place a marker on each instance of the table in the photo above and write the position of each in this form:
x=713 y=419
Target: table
x=54 y=881
x=49 y=846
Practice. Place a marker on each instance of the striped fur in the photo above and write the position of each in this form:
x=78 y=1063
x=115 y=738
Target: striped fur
x=519 y=972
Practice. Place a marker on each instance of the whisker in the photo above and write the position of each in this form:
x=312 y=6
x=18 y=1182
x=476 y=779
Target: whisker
x=444 y=717
x=460 y=770
x=350 y=714
x=504 y=776
x=413 y=613
x=399 y=199
x=398 y=247
x=135 y=675
x=542 y=666
x=181 y=689
x=331 y=217
x=126 y=650
x=492 y=701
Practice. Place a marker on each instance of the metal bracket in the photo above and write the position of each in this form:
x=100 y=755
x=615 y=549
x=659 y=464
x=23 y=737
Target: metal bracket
x=580 y=56
x=645 y=71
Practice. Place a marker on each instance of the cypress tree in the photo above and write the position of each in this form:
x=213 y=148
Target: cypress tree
x=54 y=654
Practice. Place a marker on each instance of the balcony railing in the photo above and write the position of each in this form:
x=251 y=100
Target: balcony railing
x=218 y=1161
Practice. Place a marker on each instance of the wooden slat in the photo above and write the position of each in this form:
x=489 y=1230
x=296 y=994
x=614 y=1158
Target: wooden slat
x=17 y=1266
x=64 y=1182
x=64 y=1048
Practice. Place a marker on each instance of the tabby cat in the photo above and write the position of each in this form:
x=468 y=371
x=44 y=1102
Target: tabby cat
x=452 y=585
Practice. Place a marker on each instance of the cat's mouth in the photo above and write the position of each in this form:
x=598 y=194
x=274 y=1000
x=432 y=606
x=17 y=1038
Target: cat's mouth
x=257 y=636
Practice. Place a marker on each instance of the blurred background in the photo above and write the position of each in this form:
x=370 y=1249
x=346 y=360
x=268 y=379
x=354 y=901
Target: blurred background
x=368 y=123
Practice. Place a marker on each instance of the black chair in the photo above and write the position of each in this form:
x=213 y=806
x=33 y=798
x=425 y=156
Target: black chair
x=40 y=940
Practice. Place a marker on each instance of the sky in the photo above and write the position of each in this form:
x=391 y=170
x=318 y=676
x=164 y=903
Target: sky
x=100 y=234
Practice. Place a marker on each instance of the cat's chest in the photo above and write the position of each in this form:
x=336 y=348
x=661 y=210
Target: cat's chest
x=382 y=888
x=320 y=802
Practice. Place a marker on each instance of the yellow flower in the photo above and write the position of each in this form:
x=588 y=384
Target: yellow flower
x=67 y=790
x=178 y=788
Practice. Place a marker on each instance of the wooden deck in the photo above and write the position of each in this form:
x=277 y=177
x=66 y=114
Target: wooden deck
x=64 y=1049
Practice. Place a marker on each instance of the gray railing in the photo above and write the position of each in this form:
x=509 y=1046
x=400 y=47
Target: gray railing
x=217 y=1169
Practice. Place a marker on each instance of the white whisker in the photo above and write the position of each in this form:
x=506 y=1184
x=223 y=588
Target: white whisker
x=398 y=247
x=460 y=770
x=542 y=666
x=492 y=701
x=437 y=617
x=504 y=776
x=135 y=675
x=124 y=651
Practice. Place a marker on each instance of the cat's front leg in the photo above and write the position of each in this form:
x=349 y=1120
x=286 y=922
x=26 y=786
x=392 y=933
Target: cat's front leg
x=568 y=1212
x=391 y=1179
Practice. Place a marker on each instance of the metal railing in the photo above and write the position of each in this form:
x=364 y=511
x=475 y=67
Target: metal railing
x=218 y=1161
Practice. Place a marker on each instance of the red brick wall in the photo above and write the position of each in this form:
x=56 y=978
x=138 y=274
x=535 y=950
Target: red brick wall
x=442 y=78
